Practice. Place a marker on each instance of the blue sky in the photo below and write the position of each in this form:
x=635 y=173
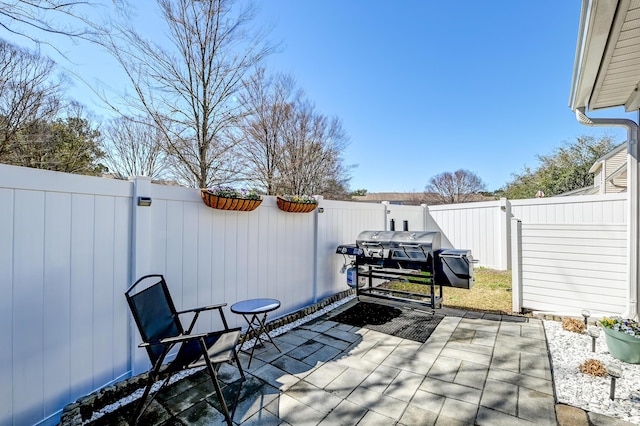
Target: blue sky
x=422 y=87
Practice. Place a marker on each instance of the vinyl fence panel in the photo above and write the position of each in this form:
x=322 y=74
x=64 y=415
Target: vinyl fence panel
x=573 y=254
x=64 y=241
x=213 y=256
x=6 y=304
x=413 y=216
x=606 y=209
x=340 y=223
x=482 y=227
x=570 y=267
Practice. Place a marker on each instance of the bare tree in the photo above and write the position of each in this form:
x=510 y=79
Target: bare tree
x=287 y=145
x=313 y=145
x=457 y=187
x=190 y=90
x=29 y=93
x=268 y=104
x=37 y=20
x=134 y=147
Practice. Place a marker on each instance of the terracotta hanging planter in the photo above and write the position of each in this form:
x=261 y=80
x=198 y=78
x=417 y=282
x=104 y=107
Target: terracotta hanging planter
x=229 y=203
x=295 y=207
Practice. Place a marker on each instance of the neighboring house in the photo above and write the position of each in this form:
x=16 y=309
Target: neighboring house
x=610 y=171
x=402 y=198
x=609 y=174
x=409 y=198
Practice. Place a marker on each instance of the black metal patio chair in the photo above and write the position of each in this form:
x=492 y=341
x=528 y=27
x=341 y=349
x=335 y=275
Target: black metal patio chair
x=161 y=330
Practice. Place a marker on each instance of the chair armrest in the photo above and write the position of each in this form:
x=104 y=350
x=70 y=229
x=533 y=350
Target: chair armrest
x=183 y=338
x=197 y=311
x=187 y=337
x=169 y=341
x=202 y=308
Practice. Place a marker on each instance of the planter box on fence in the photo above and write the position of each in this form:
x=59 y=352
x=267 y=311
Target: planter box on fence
x=224 y=203
x=293 y=207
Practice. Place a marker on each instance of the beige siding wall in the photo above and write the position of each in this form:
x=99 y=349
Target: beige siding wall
x=612 y=164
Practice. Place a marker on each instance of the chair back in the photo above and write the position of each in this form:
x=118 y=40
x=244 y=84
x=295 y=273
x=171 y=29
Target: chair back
x=154 y=312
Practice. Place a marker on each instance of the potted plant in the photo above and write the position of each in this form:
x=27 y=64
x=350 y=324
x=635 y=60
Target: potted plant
x=228 y=198
x=623 y=338
x=297 y=203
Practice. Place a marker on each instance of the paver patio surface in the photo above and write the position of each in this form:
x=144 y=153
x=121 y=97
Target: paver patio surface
x=473 y=369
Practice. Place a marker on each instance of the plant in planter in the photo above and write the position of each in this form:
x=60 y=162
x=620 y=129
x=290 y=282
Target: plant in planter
x=623 y=338
x=228 y=198
x=297 y=203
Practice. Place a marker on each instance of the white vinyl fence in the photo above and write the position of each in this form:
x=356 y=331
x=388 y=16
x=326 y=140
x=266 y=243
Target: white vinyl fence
x=481 y=227
x=71 y=245
x=64 y=265
x=570 y=254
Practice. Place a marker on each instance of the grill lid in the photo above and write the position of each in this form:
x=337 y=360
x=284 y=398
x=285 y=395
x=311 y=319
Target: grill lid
x=374 y=243
x=374 y=238
x=426 y=240
x=398 y=244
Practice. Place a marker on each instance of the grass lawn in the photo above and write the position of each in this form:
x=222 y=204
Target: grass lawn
x=491 y=292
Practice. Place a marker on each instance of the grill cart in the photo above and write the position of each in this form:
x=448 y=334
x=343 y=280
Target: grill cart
x=406 y=256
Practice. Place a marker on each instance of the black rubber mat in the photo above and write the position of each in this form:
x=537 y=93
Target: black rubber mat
x=406 y=323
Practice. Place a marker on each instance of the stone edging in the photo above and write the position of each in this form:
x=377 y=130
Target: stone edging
x=75 y=413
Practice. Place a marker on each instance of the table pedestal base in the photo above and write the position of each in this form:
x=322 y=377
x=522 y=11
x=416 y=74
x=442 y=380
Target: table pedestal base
x=257 y=327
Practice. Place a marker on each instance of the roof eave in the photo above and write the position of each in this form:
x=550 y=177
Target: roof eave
x=596 y=20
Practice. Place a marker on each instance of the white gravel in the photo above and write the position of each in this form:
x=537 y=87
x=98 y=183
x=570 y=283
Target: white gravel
x=569 y=350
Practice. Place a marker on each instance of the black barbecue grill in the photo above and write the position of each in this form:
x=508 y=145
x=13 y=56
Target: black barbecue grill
x=414 y=257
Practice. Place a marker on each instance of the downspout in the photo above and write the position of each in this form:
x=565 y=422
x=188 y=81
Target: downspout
x=633 y=209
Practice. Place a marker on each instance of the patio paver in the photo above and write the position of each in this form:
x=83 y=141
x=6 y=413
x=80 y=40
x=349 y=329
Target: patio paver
x=472 y=370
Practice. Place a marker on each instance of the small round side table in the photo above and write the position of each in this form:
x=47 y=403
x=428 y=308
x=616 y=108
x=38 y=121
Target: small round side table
x=255 y=313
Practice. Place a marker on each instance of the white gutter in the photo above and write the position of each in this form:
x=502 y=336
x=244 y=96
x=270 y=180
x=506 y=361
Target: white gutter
x=633 y=188
x=585 y=16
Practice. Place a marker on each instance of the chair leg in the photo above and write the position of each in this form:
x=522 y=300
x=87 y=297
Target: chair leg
x=235 y=356
x=216 y=384
x=142 y=406
x=242 y=379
